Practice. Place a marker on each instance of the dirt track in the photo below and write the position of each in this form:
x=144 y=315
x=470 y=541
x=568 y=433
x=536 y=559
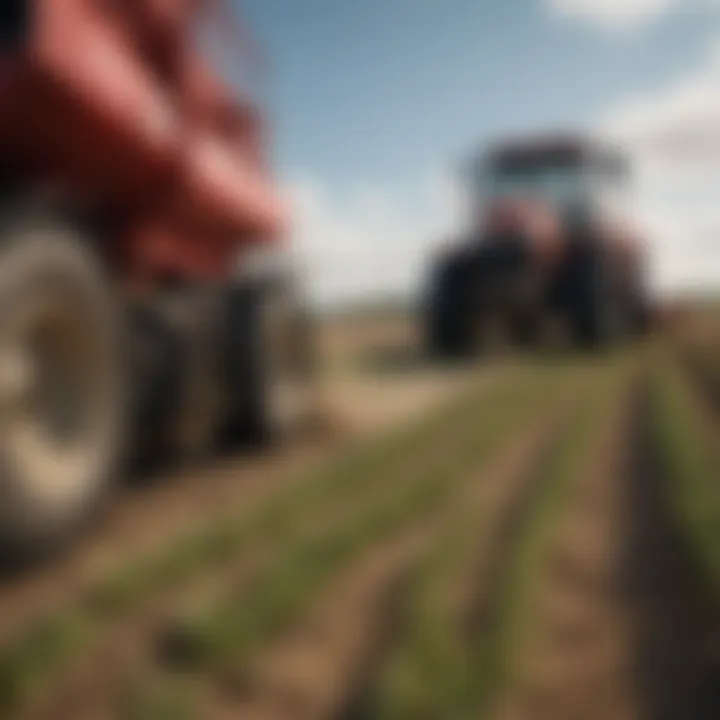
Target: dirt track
x=513 y=553
x=676 y=660
x=358 y=404
x=624 y=625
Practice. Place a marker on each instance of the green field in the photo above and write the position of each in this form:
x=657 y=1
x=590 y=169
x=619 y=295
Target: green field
x=445 y=568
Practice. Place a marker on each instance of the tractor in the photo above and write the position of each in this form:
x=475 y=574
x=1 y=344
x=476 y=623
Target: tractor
x=146 y=302
x=549 y=239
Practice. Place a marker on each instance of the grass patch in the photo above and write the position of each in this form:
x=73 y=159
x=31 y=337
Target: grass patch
x=702 y=361
x=497 y=656
x=168 y=700
x=235 y=627
x=681 y=437
x=44 y=649
x=438 y=669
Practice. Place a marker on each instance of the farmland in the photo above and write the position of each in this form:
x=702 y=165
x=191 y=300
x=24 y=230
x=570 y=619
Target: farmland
x=523 y=538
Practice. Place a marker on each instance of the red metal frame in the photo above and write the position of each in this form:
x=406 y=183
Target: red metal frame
x=112 y=101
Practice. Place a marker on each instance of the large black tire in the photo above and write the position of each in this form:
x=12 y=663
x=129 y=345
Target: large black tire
x=641 y=310
x=526 y=331
x=599 y=313
x=271 y=361
x=445 y=332
x=62 y=395
x=443 y=337
x=454 y=330
x=177 y=392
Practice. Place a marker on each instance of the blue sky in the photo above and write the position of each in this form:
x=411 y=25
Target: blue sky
x=373 y=101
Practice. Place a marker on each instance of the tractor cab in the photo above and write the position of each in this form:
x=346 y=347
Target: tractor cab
x=578 y=180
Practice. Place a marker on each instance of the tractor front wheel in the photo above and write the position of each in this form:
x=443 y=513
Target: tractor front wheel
x=62 y=400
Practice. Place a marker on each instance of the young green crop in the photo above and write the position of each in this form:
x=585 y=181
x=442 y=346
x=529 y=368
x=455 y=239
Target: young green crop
x=335 y=481
x=166 y=700
x=439 y=668
x=237 y=625
x=682 y=438
x=496 y=656
x=44 y=649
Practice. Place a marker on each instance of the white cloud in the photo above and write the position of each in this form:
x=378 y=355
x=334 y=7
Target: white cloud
x=624 y=15
x=673 y=136
x=612 y=14
x=371 y=239
x=366 y=241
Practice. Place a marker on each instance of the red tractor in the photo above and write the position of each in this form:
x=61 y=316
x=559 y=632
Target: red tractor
x=549 y=239
x=142 y=301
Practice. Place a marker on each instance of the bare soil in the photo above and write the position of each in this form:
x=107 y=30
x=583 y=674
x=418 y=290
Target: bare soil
x=623 y=624
x=146 y=515
x=675 y=616
x=322 y=668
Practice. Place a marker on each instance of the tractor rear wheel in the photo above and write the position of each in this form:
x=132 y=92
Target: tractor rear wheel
x=525 y=331
x=272 y=363
x=599 y=316
x=62 y=400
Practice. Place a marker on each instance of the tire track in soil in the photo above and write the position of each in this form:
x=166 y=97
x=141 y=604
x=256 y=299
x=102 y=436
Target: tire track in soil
x=110 y=660
x=623 y=626
x=146 y=517
x=676 y=619
x=143 y=519
x=704 y=392
x=322 y=669
x=476 y=588
x=572 y=656
x=472 y=591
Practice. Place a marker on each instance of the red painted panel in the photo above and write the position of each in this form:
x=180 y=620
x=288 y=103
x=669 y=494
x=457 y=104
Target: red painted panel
x=229 y=188
x=110 y=98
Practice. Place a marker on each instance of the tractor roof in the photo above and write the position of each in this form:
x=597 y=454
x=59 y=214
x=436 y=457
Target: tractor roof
x=562 y=148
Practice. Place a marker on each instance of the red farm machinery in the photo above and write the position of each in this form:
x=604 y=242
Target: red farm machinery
x=142 y=299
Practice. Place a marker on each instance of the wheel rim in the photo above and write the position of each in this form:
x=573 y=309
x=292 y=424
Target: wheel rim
x=54 y=394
